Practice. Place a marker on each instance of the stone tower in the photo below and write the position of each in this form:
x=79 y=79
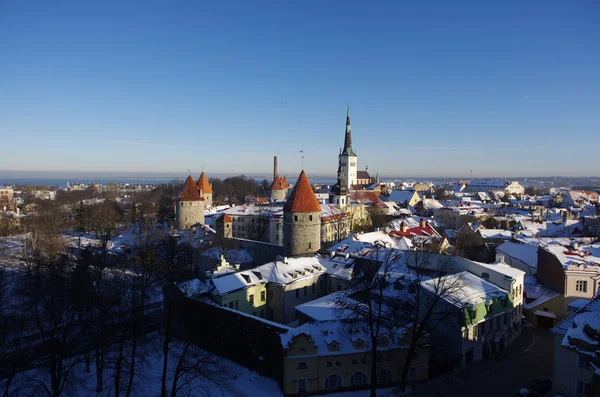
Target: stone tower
x=301 y=220
x=348 y=157
x=339 y=193
x=205 y=189
x=224 y=227
x=279 y=189
x=189 y=205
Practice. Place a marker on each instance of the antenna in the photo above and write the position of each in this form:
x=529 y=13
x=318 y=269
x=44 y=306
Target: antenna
x=302 y=151
x=189 y=172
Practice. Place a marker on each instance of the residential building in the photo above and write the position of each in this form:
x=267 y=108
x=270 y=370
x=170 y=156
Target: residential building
x=245 y=291
x=404 y=198
x=327 y=356
x=490 y=184
x=576 y=352
x=290 y=283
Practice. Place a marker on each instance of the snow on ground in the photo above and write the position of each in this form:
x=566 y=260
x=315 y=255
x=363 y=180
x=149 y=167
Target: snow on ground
x=232 y=380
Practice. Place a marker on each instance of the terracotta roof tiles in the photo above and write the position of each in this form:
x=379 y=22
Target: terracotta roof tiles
x=303 y=198
x=278 y=184
x=203 y=184
x=189 y=191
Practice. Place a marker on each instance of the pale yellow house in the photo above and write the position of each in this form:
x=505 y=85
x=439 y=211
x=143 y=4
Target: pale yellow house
x=244 y=291
x=328 y=356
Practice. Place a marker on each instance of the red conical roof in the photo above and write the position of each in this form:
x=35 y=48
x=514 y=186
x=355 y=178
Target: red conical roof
x=285 y=182
x=277 y=184
x=224 y=218
x=303 y=198
x=203 y=184
x=189 y=191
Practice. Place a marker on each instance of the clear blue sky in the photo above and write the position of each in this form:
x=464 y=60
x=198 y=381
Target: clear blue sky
x=506 y=88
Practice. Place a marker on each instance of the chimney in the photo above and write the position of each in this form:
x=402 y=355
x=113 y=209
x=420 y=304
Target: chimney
x=275 y=171
x=564 y=216
x=422 y=222
x=403 y=226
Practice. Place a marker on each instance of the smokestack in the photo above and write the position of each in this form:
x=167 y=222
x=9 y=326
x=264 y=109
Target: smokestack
x=275 y=173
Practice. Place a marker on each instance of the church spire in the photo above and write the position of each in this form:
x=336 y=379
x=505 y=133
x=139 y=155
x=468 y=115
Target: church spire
x=348 y=138
x=340 y=189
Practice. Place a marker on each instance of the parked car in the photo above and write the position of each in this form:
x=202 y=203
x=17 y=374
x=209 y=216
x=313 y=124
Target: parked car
x=526 y=393
x=541 y=385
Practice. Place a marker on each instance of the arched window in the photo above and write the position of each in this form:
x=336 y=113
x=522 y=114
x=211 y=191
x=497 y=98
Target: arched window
x=384 y=376
x=333 y=382
x=358 y=379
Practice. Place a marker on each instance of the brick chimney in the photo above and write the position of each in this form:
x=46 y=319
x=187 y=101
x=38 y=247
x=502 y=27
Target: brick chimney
x=422 y=222
x=275 y=170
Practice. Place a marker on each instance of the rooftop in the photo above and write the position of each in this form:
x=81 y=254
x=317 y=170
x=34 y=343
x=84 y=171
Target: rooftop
x=303 y=198
x=295 y=269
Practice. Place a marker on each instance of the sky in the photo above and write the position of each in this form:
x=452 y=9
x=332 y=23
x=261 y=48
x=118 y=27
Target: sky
x=437 y=88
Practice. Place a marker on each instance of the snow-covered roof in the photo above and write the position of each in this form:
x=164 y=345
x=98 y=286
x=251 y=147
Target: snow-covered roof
x=576 y=256
x=327 y=307
x=235 y=281
x=233 y=256
x=497 y=234
x=537 y=291
x=365 y=244
x=578 y=304
x=401 y=196
x=431 y=204
x=338 y=266
x=581 y=331
x=295 y=269
x=475 y=290
x=526 y=253
x=192 y=287
x=323 y=333
x=503 y=268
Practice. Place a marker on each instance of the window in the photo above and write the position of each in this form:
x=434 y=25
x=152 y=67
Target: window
x=333 y=382
x=310 y=218
x=329 y=364
x=295 y=218
x=309 y=245
x=582 y=389
x=485 y=276
x=297 y=293
x=354 y=362
x=583 y=361
x=338 y=364
x=305 y=289
x=363 y=360
x=384 y=376
x=262 y=296
x=581 y=285
x=358 y=378
x=231 y=305
x=302 y=366
x=251 y=299
x=302 y=385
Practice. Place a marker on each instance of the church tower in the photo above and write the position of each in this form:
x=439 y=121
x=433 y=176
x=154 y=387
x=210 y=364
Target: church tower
x=301 y=220
x=348 y=157
x=339 y=193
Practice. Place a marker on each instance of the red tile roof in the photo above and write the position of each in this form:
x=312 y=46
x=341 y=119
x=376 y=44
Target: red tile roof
x=189 y=191
x=224 y=218
x=278 y=184
x=303 y=198
x=285 y=182
x=203 y=184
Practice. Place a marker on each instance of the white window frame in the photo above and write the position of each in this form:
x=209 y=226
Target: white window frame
x=584 y=388
x=584 y=284
x=339 y=386
x=305 y=385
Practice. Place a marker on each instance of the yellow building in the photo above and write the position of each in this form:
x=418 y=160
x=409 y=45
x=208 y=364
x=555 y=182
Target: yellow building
x=244 y=291
x=326 y=355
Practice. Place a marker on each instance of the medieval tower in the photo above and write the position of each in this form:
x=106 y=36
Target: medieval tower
x=301 y=220
x=205 y=189
x=189 y=206
x=349 y=159
x=279 y=187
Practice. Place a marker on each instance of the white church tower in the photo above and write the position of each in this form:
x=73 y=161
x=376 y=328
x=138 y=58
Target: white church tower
x=348 y=158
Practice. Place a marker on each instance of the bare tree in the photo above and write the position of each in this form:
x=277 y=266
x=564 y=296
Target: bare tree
x=196 y=368
x=260 y=224
x=48 y=299
x=431 y=279
x=389 y=294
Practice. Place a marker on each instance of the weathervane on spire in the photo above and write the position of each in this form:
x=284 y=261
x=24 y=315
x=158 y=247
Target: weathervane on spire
x=302 y=151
